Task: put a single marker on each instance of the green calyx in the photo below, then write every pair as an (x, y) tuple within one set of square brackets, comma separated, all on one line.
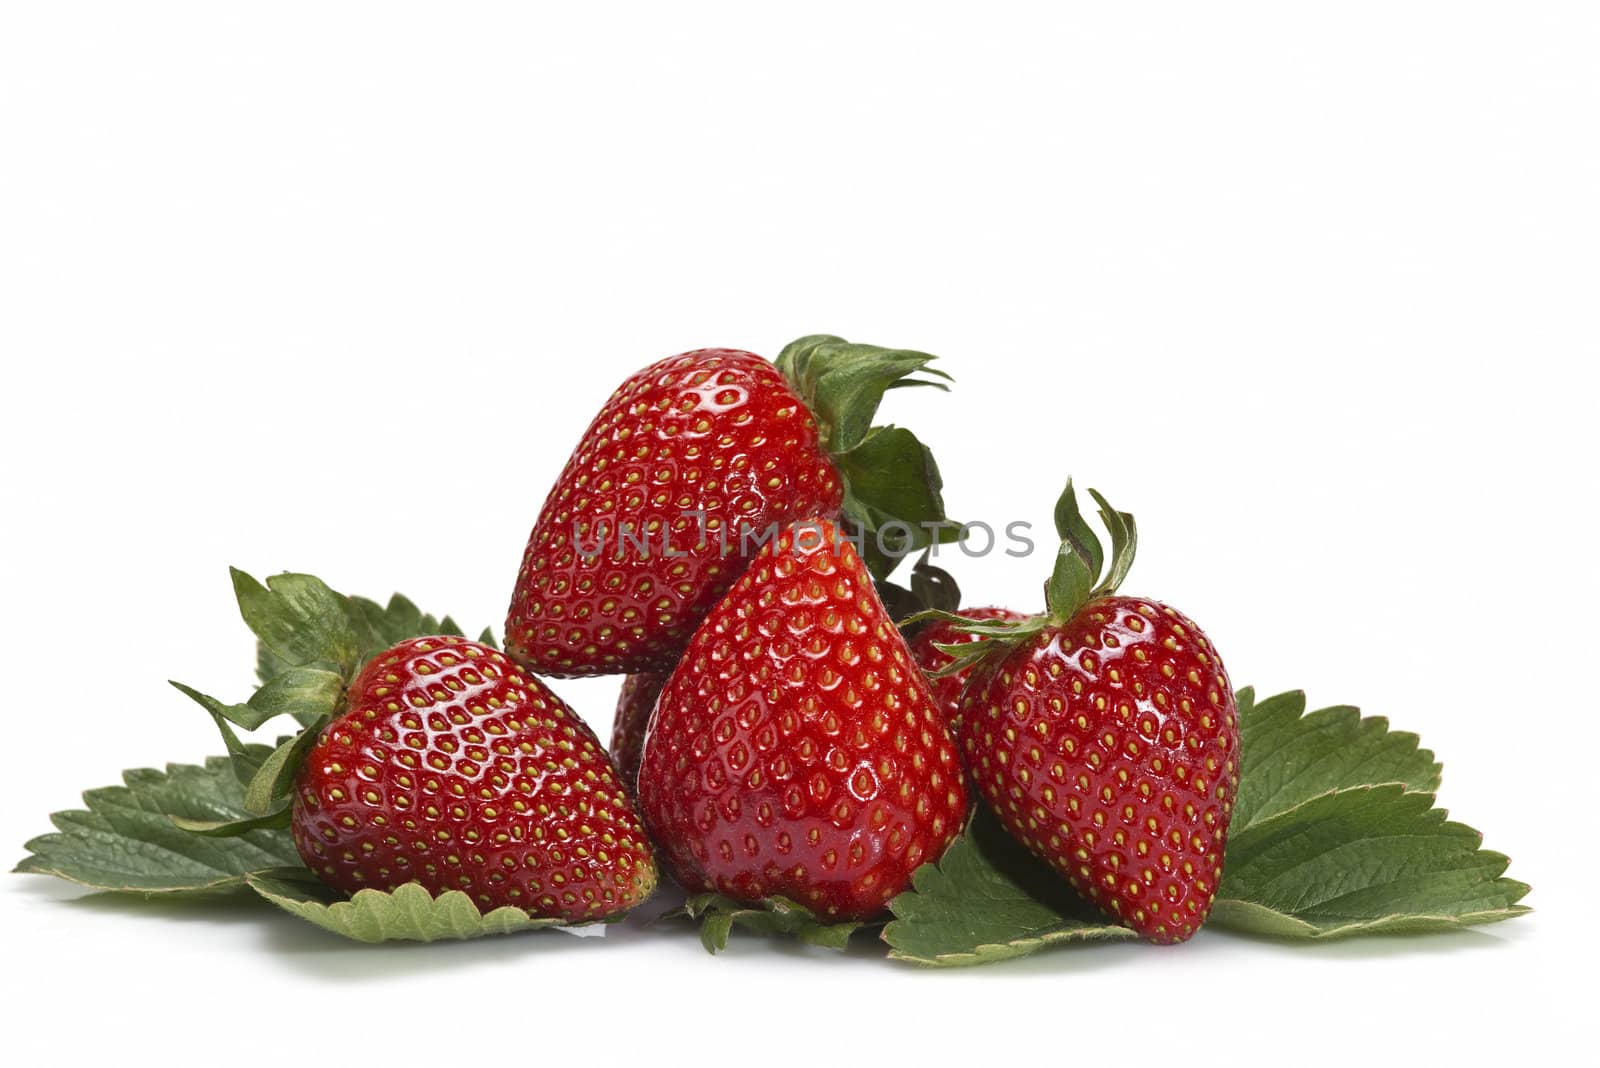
[(1077, 578), (1082, 573), (893, 493), (312, 643), (843, 383)]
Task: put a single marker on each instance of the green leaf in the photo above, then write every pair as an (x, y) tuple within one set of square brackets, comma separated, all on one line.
[(890, 476), (895, 474), (1081, 558), (1069, 585), (275, 779), (988, 899), (380, 625), (268, 663), (400, 619), (245, 759), (125, 840), (308, 694), (843, 383), (1362, 860), (718, 915), (1124, 544), (377, 627), (408, 913), (278, 820), (224, 713), (963, 657), (894, 494), (1078, 560), (1077, 536), (1289, 757), (299, 618)]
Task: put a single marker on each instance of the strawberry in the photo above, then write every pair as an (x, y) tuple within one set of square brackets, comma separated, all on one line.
[(634, 705), (797, 751), (451, 767), (686, 469), (1105, 736)]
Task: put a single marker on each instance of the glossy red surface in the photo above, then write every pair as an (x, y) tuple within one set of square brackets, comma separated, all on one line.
[(454, 768), (930, 658), (796, 750), (634, 705), (695, 448), (1109, 746)]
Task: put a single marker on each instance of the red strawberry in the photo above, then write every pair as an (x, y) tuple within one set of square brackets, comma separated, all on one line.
[(647, 525), (634, 705), (453, 768), (797, 751), (1105, 736)]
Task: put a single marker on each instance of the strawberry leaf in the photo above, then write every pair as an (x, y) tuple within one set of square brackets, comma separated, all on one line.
[(843, 382), (377, 627), (891, 481), (245, 759), (274, 780), (1077, 536), (986, 900), (1081, 558), (718, 915), (381, 627), (299, 618), (1363, 860), (269, 664), (895, 494), (408, 913), (278, 820), (125, 839), (1124, 543), (1290, 757), (309, 694), (1335, 832)]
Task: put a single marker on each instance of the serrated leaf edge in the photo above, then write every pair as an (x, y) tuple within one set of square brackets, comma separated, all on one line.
[(1421, 922), (1379, 722), (412, 900), (92, 801)]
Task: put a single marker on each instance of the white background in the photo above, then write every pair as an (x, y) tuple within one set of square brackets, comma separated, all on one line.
[(335, 288)]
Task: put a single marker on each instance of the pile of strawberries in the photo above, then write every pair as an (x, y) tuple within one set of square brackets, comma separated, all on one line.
[(721, 535), (802, 744)]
